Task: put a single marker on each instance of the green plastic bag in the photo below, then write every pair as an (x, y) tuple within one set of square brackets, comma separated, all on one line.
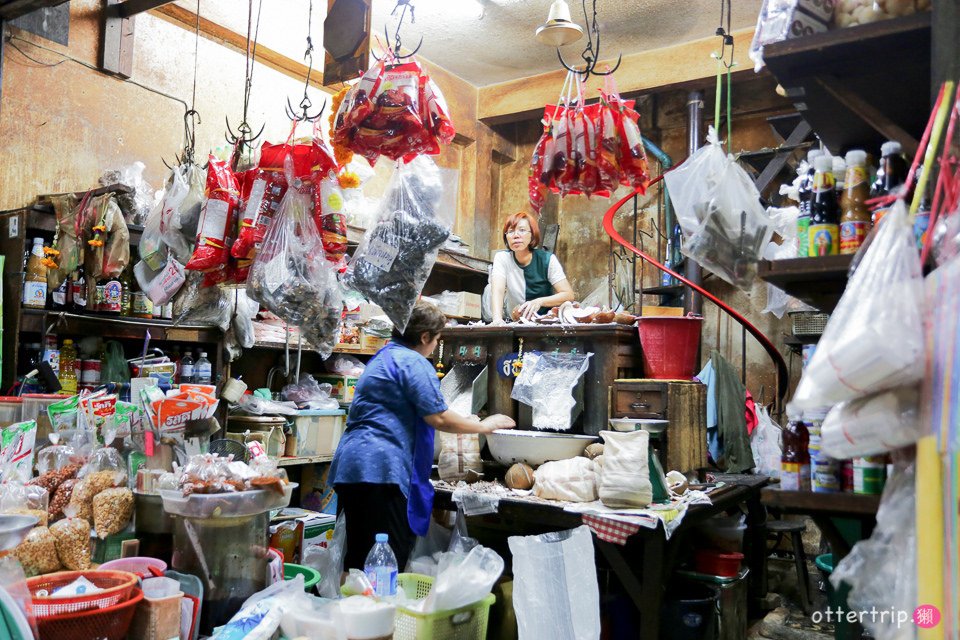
[(114, 367)]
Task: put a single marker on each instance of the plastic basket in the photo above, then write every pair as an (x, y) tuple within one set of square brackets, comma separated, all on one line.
[(465, 623), (117, 587), (809, 323), (110, 548), (138, 565), (310, 575), (107, 623)]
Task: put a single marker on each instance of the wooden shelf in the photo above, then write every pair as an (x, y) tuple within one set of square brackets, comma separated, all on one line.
[(301, 460), (37, 321), (672, 290), (279, 346), (861, 85), (819, 282), (833, 504)]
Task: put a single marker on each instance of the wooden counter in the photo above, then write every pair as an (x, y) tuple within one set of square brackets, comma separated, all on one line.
[(615, 348)]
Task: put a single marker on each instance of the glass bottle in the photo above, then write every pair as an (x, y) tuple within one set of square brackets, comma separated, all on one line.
[(126, 294), (35, 278), (186, 368), (855, 219), (68, 375), (891, 176), (824, 234), (795, 459), (805, 195)]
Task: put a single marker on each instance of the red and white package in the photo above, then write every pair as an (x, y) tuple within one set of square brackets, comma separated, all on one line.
[(173, 414), (223, 195)]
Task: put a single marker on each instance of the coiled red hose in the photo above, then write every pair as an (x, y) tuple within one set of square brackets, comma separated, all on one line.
[(783, 374)]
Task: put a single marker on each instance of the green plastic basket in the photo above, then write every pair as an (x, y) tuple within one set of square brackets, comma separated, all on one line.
[(311, 577), (465, 623), (111, 547)]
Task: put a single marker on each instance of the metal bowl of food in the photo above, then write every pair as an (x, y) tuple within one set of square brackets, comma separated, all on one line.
[(636, 424), (535, 447), (14, 528)]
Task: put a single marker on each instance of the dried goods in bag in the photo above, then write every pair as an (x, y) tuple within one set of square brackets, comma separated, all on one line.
[(397, 253), (72, 537), (38, 552), (222, 194), (874, 339), (291, 276)]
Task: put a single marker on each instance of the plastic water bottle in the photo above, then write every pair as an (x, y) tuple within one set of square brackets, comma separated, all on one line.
[(381, 567), (203, 370)]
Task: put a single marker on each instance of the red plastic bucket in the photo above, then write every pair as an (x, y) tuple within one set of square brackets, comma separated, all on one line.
[(670, 347)]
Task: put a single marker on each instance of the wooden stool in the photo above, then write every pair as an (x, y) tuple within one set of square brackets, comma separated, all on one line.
[(795, 530)]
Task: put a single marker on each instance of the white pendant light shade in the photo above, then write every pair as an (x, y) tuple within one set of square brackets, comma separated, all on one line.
[(559, 29)]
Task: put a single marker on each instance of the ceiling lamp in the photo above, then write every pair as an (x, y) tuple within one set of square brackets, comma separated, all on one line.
[(559, 29)]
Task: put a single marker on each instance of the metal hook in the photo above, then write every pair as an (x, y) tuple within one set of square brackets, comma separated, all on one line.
[(395, 48), (244, 130), (304, 115), (591, 53)]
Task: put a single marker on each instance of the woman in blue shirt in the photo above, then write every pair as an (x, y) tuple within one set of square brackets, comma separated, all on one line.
[(381, 469)]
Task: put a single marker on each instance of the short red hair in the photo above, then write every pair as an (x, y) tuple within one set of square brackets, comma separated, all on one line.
[(512, 222)]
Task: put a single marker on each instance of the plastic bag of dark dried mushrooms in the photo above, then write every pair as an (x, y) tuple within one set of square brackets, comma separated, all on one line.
[(397, 253), (291, 276)]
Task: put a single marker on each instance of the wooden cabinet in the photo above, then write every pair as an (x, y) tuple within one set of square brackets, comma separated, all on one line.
[(683, 445)]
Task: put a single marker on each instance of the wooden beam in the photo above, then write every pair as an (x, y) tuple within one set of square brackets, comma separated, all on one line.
[(669, 67), (870, 114), (238, 42)]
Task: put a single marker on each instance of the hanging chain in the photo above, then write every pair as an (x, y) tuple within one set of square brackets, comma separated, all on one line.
[(591, 53), (305, 102), (192, 118), (243, 138), (403, 5)]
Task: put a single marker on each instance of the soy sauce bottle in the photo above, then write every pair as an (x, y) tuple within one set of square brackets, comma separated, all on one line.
[(824, 211)]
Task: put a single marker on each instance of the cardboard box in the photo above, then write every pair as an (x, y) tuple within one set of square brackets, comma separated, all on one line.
[(370, 342), (785, 23), (462, 304), (318, 431), (316, 492), (343, 386)]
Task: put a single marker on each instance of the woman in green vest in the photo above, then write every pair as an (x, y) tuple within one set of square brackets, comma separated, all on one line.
[(525, 280)]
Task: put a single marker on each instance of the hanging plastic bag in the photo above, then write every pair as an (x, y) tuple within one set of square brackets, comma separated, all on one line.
[(625, 481), (692, 182), (428, 549), (872, 425), (396, 255), (222, 193), (555, 591), (765, 443), (66, 242), (634, 172), (291, 276), (874, 338), (881, 571), (538, 177), (17, 446), (546, 383), (266, 193)]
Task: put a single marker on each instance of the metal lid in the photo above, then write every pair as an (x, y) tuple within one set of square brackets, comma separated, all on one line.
[(264, 420)]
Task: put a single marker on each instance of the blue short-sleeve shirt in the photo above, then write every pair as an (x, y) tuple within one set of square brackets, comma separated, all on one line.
[(377, 446)]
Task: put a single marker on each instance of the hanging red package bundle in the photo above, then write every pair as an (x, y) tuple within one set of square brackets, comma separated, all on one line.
[(536, 186), (266, 190), (633, 158), (222, 192), (608, 146), (328, 205)]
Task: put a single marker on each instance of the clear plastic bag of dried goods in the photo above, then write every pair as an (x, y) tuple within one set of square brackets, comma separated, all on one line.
[(546, 383), (291, 276), (396, 255), (874, 338)]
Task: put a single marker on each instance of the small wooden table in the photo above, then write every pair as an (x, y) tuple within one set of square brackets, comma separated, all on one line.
[(648, 558), (823, 508)]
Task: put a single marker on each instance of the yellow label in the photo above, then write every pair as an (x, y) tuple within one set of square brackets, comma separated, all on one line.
[(855, 175)]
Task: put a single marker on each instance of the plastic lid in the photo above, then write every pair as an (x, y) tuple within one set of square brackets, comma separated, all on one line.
[(812, 154), (823, 163), (856, 157), (68, 341), (890, 147), (382, 537), (203, 354), (38, 241)]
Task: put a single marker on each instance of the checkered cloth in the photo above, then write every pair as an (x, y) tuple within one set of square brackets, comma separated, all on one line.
[(617, 525), (610, 530)]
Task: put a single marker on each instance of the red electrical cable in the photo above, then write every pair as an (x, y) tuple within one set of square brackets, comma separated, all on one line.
[(784, 375)]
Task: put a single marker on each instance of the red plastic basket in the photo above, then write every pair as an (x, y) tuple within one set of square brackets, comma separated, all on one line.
[(117, 587), (110, 623)]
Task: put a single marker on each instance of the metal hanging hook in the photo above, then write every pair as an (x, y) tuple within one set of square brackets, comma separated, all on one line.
[(305, 102), (394, 49), (591, 53)]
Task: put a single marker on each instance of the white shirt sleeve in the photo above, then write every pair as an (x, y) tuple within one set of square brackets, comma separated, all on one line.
[(554, 271), (499, 266)]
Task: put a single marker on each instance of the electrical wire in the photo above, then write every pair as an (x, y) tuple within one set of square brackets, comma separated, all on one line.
[(11, 38)]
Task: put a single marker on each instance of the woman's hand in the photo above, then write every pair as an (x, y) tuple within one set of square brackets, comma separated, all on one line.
[(498, 421), (529, 309)]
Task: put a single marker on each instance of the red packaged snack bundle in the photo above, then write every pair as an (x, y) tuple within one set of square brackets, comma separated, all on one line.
[(222, 192), (536, 186), (608, 147), (328, 204), (633, 158), (264, 193)]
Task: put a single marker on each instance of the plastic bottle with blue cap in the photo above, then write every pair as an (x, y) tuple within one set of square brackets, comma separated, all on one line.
[(381, 567)]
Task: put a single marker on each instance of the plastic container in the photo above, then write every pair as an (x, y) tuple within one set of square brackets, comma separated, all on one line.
[(733, 602), (11, 408), (311, 577), (225, 505), (106, 623), (836, 598), (670, 347), (465, 622), (689, 612), (117, 587), (138, 565), (717, 563), (318, 431), (381, 567)]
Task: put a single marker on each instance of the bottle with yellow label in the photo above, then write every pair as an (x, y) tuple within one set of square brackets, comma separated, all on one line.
[(824, 234), (855, 218)]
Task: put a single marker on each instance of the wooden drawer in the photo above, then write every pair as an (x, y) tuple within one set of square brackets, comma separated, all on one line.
[(640, 400)]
